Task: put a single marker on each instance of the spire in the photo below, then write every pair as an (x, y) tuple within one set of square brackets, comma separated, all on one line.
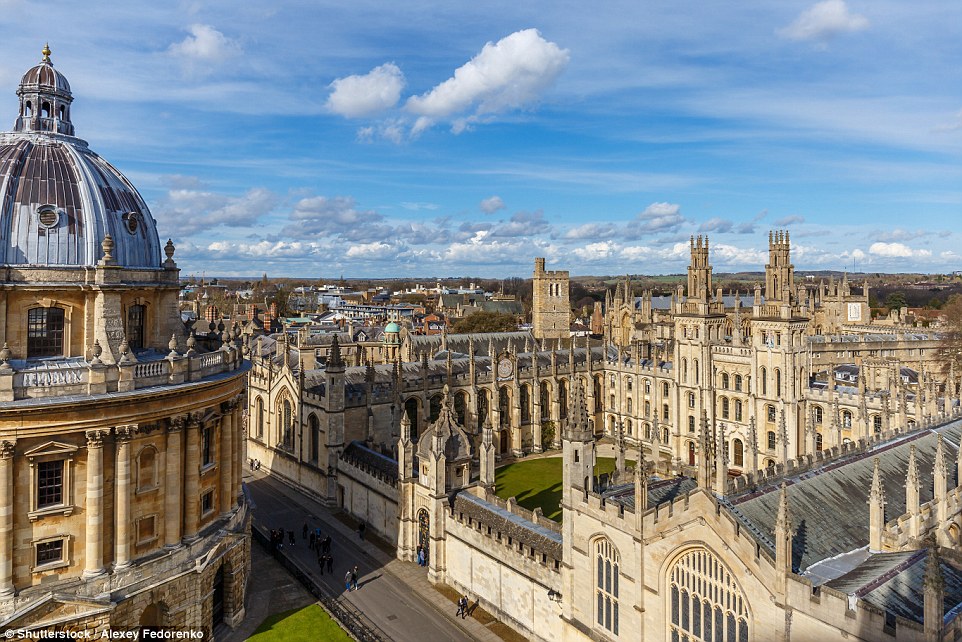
[(335, 359), (939, 471), (577, 424), (876, 501), (721, 462), (487, 454), (912, 493), (641, 484), (933, 610), (783, 542)]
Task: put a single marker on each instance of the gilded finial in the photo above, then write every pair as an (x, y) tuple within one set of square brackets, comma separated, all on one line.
[(46, 52)]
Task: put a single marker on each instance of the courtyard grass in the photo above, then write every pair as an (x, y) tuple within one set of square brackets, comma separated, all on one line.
[(537, 483), (300, 625)]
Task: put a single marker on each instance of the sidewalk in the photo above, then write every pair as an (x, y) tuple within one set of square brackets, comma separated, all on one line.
[(396, 596)]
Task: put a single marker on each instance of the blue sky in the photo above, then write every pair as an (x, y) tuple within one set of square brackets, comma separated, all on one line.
[(378, 139)]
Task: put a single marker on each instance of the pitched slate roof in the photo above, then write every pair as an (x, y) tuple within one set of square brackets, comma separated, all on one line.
[(829, 505)]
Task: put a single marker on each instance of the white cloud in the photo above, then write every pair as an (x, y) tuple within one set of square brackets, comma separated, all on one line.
[(320, 215), (789, 220), (896, 250), (716, 224), (509, 74), (492, 204), (592, 231), (373, 93), (595, 251), (203, 48), (824, 21), (185, 211), (369, 251), (657, 217)]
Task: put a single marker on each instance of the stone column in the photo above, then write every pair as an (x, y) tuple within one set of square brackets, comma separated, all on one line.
[(6, 519), (192, 481), (172, 489), (241, 424), (122, 499), (227, 460), (94, 532)]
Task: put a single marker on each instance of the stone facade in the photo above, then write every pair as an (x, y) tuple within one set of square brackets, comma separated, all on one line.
[(550, 306)]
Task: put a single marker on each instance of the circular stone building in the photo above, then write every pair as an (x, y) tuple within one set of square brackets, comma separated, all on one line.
[(120, 439)]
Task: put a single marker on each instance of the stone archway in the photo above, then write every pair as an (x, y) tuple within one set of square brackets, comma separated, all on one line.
[(424, 534), (154, 617)]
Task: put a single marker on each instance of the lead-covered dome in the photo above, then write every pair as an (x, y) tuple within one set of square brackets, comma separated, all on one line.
[(60, 199)]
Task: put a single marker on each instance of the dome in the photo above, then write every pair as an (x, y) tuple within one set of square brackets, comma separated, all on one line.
[(45, 76), (392, 328), (60, 199)]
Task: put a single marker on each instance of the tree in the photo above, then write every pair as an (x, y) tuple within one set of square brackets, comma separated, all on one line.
[(951, 348), (895, 301), (486, 322)]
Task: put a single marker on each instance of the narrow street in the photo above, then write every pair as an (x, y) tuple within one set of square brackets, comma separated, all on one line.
[(394, 597)]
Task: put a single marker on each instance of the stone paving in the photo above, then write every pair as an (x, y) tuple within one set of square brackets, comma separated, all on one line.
[(396, 597)]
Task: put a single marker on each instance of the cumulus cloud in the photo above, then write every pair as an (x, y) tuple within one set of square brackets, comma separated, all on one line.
[(716, 224), (748, 227), (592, 231), (657, 217), (823, 21), (899, 234), (370, 251), (896, 251), (509, 74), (204, 48), (791, 219), (186, 211), (524, 224), (323, 216), (595, 251), (492, 204), (373, 93)]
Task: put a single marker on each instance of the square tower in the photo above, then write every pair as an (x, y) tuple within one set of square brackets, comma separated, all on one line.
[(550, 306)]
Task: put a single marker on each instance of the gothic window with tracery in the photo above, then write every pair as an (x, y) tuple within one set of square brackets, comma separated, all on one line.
[(706, 602), (606, 593)]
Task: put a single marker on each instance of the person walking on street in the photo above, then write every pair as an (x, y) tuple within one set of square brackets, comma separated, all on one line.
[(304, 531), (464, 606), (347, 581), (290, 537), (311, 541), (354, 578), (320, 563), (460, 608), (327, 544), (330, 564), (360, 530)]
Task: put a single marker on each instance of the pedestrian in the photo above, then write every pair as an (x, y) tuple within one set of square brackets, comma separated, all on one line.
[(360, 531), (347, 581), (330, 564), (304, 531), (311, 541), (462, 607), (290, 537), (354, 578), (327, 544), (320, 563), (420, 556)]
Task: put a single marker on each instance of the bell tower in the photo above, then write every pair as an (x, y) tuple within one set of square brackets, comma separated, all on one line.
[(779, 272)]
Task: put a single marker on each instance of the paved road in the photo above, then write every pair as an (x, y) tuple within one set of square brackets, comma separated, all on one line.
[(396, 596)]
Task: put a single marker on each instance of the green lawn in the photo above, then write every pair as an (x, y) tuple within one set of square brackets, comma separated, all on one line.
[(308, 624), (537, 482)]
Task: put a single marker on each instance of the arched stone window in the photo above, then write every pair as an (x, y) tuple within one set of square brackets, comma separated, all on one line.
[(739, 452), (877, 423), (315, 436), (778, 382), (665, 389), (146, 469), (691, 399), (694, 367), (545, 401), (563, 398), (684, 370), (628, 404), (763, 377), (287, 424), (771, 440), (738, 410), (607, 562), (691, 423), (647, 386), (725, 407), (259, 412), (705, 602), (846, 419), (525, 404), (738, 383), (461, 407), (818, 442), (724, 380), (817, 414)]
